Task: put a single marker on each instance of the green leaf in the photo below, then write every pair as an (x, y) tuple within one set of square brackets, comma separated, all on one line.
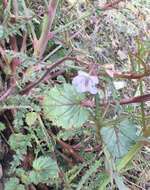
[(19, 142), (2, 126), (23, 175), (119, 138), (31, 118), (13, 184), (121, 164), (44, 168), (62, 105)]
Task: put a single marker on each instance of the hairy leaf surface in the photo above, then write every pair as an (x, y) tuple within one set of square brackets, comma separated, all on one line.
[(62, 105), (43, 169), (119, 138)]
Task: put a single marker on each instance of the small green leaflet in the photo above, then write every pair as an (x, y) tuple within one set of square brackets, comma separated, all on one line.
[(19, 142), (13, 184), (62, 105), (31, 118), (119, 138), (44, 168)]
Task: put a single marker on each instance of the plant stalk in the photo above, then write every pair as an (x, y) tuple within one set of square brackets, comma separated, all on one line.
[(41, 44)]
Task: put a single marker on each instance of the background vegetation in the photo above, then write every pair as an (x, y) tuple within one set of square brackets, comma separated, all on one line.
[(74, 95)]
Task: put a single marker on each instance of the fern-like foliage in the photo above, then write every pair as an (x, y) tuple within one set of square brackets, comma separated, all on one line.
[(13, 29), (93, 168)]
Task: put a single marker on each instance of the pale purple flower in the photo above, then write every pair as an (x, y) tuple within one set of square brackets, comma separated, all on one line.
[(85, 82)]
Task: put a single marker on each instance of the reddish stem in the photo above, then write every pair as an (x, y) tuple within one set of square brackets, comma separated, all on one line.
[(5, 94), (5, 2), (131, 75), (70, 150), (35, 83), (133, 100), (41, 44), (137, 99), (111, 4)]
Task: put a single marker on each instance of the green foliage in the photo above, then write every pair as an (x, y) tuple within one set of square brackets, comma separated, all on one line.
[(121, 164), (119, 182), (19, 142), (1, 31), (88, 173), (13, 30), (62, 105), (31, 117), (119, 138), (68, 134), (44, 169), (51, 119), (17, 158), (13, 184), (2, 126)]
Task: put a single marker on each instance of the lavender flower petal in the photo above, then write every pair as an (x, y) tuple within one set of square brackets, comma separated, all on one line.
[(93, 90), (94, 79), (85, 82)]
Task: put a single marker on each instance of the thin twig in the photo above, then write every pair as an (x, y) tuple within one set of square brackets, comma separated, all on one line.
[(56, 64), (137, 99), (71, 151), (67, 147), (4, 95), (116, 74), (5, 2), (132, 100), (15, 8), (131, 75), (9, 124), (14, 107), (24, 45)]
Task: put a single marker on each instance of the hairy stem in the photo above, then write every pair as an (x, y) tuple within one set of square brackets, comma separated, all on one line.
[(15, 7), (98, 119), (47, 24)]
